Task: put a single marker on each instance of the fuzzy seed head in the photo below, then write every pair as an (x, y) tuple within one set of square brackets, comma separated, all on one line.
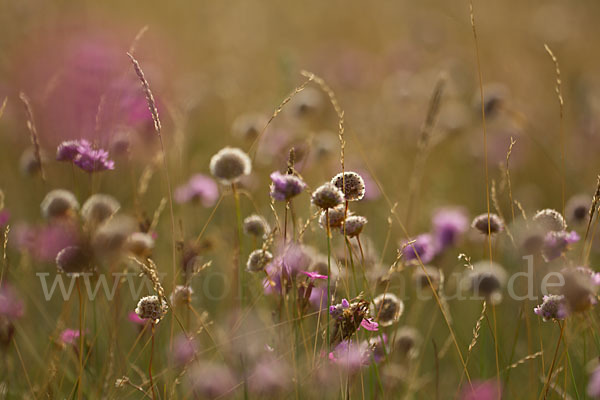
[(73, 260), (550, 220), (480, 223), (152, 308), (58, 203), (336, 217), (353, 225), (387, 309), (257, 226), (327, 196), (229, 165), (258, 259), (98, 208)]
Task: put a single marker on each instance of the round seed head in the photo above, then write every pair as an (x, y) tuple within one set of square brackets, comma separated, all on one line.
[(327, 196), (387, 309), (29, 163), (353, 225), (229, 165), (257, 226), (112, 235), (140, 244), (58, 203), (550, 220), (74, 260), (487, 279), (152, 308), (480, 223), (98, 208), (351, 184), (258, 259), (308, 101), (249, 126), (579, 289), (407, 341), (336, 217), (577, 208)]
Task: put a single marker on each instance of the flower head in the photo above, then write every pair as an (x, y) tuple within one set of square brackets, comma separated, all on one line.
[(351, 356), (258, 259), (200, 188), (327, 196), (351, 184), (210, 380), (184, 350), (257, 226), (229, 165), (69, 150), (92, 160), (140, 244), (336, 217), (270, 377), (435, 275), (577, 209), (550, 220), (556, 243), (98, 208), (387, 309), (487, 279), (69, 336), (480, 223), (11, 306), (552, 308), (74, 260), (448, 226), (353, 225), (485, 390), (285, 186), (423, 245), (58, 203), (151, 308)]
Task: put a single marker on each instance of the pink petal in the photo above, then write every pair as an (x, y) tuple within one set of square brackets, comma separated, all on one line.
[(369, 325), (314, 275)]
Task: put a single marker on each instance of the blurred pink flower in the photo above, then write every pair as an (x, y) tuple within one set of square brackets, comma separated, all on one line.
[(199, 188), (483, 390), (10, 304)]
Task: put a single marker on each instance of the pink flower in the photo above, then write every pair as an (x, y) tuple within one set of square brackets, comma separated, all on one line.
[(133, 317), (200, 187), (69, 336), (485, 390), (314, 275), (10, 305), (369, 324), (351, 355)]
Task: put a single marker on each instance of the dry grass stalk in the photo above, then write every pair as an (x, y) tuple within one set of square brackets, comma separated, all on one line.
[(33, 133), (477, 328)]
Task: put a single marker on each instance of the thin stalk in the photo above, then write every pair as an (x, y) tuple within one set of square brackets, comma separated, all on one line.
[(150, 364), (544, 393), (328, 278), (238, 214), (80, 340)]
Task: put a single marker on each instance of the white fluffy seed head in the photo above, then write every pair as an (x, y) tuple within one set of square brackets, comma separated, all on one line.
[(351, 184), (152, 308), (353, 225), (257, 226), (336, 217), (58, 203), (229, 165), (387, 309), (550, 220), (140, 244), (258, 259), (98, 208)]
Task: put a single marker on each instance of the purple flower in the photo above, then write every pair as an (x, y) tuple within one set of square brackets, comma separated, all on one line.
[(210, 380), (11, 306), (134, 318), (270, 376), (593, 388), (351, 356), (69, 150), (423, 245), (486, 390), (93, 160), (314, 275), (449, 224), (284, 187), (556, 243), (552, 308), (318, 298), (184, 350), (337, 309), (4, 218), (199, 188)]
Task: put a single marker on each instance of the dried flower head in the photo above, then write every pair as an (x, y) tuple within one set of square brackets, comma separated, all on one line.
[(579, 289), (258, 259), (407, 343), (257, 226), (74, 260), (480, 223), (285, 186), (229, 165), (351, 184), (577, 208), (151, 308), (59, 203), (98, 208), (140, 244), (112, 235), (336, 217), (550, 220), (553, 307), (327, 196), (387, 309), (353, 225), (181, 295), (487, 279)]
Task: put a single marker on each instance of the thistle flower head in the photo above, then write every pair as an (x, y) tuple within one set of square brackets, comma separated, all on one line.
[(351, 184), (151, 308), (258, 260), (353, 225), (327, 196), (480, 223), (550, 220), (98, 208), (59, 203), (257, 226), (285, 186), (553, 307), (387, 309), (229, 165)]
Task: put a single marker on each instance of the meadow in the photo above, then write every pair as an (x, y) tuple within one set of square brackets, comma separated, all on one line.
[(339, 200)]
